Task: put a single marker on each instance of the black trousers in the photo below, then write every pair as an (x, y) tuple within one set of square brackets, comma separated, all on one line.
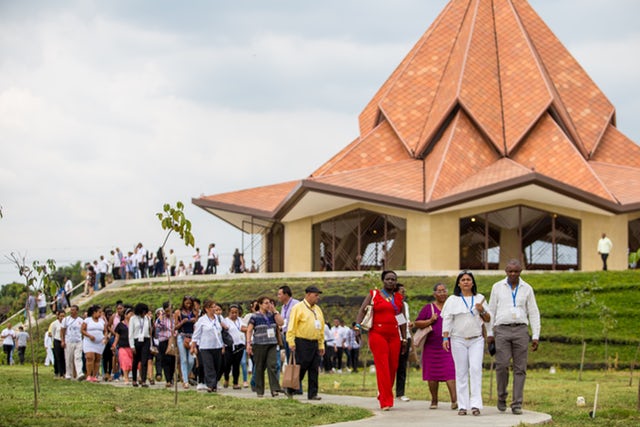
[(337, 358), (59, 368), (353, 359), (21, 351), (604, 261), (308, 357), (401, 373), (167, 361), (141, 355), (212, 363), (232, 365), (327, 360)]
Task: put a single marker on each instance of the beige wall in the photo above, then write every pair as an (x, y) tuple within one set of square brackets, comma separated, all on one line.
[(297, 246), (433, 239)]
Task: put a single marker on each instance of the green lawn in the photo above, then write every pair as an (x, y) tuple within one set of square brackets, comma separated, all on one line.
[(70, 403)]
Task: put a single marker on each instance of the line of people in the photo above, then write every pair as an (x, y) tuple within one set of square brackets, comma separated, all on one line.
[(454, 349)]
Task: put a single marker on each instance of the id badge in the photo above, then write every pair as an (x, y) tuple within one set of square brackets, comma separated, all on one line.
[(317, 323), (271, 333), (401, 319), (284, 326), (514, 313)]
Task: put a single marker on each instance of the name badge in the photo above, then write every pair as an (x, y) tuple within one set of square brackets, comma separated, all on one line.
[(317, 323), (401, 319), (285, 323), (271, 333), (514, 313)]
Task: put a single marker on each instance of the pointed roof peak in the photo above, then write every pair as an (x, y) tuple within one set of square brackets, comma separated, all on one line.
[(497, 60)]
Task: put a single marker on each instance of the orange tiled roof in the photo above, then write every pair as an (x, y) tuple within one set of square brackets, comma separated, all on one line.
[(487, 96)]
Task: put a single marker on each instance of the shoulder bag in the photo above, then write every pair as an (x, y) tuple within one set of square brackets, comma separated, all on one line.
[(420, 337), (367, 320)]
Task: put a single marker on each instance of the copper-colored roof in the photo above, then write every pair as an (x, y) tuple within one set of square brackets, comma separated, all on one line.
[(487, 97)]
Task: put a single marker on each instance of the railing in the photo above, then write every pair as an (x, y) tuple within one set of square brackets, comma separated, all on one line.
[(21, 311)]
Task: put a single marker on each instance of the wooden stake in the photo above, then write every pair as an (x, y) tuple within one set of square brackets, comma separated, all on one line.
[(633, 364), (584, 349), (595, 402)]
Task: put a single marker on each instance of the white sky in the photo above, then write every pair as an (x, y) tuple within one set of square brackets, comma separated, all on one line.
[(108, 109)]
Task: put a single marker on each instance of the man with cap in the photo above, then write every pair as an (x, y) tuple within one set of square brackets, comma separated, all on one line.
[(305, 336)]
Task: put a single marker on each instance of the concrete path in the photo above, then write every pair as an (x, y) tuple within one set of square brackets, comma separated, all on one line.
[(406, 414)]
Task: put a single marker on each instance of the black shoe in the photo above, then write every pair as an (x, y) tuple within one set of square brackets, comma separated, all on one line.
[(135, 384), (287, 392), (316, 397), (502, 405), (516, 410)]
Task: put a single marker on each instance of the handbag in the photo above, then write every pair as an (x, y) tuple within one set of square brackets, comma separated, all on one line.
[(291, 373), (187, 343), (420, 337), (172, 347), (367, 320), (279, 336)]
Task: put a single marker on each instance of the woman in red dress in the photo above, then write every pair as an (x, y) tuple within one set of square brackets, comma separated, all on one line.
[(387, 336)]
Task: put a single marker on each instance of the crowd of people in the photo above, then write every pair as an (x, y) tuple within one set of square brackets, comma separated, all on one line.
[(202, 344), (453, 350)]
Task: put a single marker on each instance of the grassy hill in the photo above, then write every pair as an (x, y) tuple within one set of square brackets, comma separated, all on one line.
[(573, 305)]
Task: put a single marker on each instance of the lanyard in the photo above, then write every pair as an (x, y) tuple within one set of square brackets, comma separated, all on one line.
[(285, 308), (390, 299), (514, 294), (465, 303), (311, 310), (266, 318)]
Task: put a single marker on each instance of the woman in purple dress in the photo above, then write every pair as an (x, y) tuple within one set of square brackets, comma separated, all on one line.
[(437, 364)]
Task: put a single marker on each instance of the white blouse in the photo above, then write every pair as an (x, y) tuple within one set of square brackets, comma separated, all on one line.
[(460, 317)]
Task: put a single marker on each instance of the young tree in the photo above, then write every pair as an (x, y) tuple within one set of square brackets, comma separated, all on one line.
[(38, 277), (174, 220)]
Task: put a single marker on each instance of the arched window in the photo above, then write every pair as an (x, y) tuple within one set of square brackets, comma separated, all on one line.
[(360, 240)]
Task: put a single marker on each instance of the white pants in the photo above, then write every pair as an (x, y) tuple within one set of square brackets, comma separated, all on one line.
[(73, 356), (49, 359), (467, 357)]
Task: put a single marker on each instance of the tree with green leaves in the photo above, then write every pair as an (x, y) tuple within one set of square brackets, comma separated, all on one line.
[(173, 219), (38, 277)]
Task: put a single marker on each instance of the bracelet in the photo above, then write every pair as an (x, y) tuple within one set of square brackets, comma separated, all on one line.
[(445, 338)]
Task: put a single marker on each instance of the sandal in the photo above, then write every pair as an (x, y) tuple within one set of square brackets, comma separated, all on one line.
[(462, 412), (185, 386), (434, 405), (475, 411), (454, 406)]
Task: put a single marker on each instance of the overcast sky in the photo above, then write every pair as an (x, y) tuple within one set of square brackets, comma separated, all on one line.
[(108, 109)]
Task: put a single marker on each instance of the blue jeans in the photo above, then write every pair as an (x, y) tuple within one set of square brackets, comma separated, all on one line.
[(186, 359)]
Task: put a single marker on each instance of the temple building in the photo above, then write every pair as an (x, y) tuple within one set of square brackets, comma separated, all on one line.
[(488, 142)]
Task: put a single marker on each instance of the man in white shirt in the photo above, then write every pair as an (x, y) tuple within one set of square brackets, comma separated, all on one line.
[(8, 335), (71, 340), (212, 260), (339, 334), (68, 288), (604, 248), (58, 352), (172, 262), (102, 270), (514, 309), (142, 261)]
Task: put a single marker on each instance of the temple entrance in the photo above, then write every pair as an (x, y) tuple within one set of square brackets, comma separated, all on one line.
[(360, 240), (542, 240)]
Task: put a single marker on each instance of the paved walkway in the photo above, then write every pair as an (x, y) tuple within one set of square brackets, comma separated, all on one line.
[(407, 414)]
